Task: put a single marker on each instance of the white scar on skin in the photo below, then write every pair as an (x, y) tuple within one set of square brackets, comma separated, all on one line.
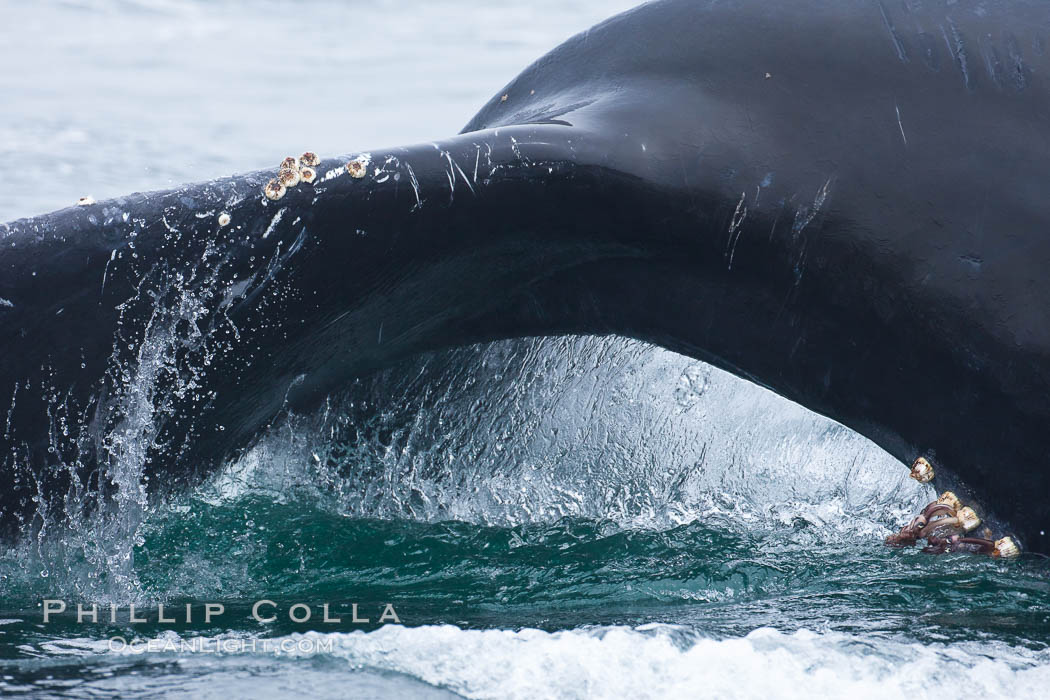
[(276, 220)]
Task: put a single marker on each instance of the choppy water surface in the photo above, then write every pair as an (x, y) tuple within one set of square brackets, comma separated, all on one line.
[(564, 517)]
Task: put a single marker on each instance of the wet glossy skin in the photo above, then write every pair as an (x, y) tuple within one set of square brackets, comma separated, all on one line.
[(843, 201)]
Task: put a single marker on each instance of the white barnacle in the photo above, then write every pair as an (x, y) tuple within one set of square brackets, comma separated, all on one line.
[(922, 471), (968, 519), (289, 177), (309, 159), (85, 200), (307, 175), (289, 163), (1007, 548), (274, 190), (358, 167), (949, 499), (224, 219)]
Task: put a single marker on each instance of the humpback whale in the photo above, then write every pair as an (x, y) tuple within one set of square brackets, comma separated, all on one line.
[(842, 201)]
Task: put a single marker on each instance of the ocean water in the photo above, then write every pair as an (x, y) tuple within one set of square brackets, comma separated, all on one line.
[(565, 517)]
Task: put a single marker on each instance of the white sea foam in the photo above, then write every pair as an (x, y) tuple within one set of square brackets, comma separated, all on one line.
[(658, 661)]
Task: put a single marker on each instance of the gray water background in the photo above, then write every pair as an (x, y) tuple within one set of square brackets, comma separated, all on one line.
[(109, 97)]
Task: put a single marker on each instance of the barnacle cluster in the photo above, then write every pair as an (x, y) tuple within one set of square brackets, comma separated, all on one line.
[(945, 524), (292, 171)]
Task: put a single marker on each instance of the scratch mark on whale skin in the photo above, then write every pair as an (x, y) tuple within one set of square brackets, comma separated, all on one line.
[(105, 271), (516, 149), (993, 61), (390, 169), (451, 175), (488, 159), (1010, 71), (415, 187), (902, 53), (901, 124), (335, 172), (735, 228), (776, 220), (274, 221), (805, 214), (957, 48), (452, 162), (1018, 69)]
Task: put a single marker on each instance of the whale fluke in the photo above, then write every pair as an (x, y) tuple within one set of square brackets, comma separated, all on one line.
[(843, 202)]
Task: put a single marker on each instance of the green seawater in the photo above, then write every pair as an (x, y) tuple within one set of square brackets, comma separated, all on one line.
[(708, 581)]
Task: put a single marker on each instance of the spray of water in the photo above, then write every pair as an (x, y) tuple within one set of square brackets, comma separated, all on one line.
[(533, 430), (85, 537), (510, 433)]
